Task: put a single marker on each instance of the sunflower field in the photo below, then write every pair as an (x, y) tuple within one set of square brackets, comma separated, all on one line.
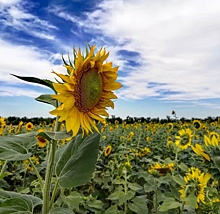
[(141, 167), (81, 162)]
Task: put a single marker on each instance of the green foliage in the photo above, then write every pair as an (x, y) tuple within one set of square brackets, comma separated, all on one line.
[(14, 148), (11, 202), (77, 160), (44, 82)]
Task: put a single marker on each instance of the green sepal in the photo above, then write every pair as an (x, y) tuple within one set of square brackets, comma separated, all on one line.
[(44, 82), (46, 98)]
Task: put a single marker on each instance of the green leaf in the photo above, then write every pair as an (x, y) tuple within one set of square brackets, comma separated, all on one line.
[(191, 201), (72, 200), (60, 210), (46, 98), (60, 135), (14, 148), (4, 174), (183, 167), (138, 205), (116, 195), (134, 186), (44, 82), (97, 204), (168, 204), (77, 160), (179, 180), (216, 157), (12, 202), (126, 197), (112, 210)]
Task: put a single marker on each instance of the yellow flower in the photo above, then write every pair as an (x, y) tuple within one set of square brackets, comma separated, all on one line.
[(128, 164), (143, 152), (108, 151), (41, 141), (170, 127), (197, 124), (199, 151), (29, 126), (212, 134), (86, 91), (195, 182), (162, 169), (210, 140), (2, 122), (184, 139), (27, 164)]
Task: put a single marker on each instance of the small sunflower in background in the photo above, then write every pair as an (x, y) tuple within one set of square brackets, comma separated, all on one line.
[(29, 126), (197, 124), (86, 90), (108, 150), (183, 141), (41, 141), (2, 122)]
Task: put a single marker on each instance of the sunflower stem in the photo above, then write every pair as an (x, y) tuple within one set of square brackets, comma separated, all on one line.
[(49, 172), (3, 167), (37, 173), (54, 194), (48, 177)]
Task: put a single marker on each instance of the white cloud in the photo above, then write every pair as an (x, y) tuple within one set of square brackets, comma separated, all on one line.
[(26, 61), (178, 42), (9, 91), (17, 17)]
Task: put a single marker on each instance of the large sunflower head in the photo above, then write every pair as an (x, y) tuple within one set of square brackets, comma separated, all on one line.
[(86, 90), (195, 182)]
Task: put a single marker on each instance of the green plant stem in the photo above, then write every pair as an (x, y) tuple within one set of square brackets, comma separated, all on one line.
[(48, 177), (126, 190), (54, 194), (3, 168), (49, 172), (37, 174)]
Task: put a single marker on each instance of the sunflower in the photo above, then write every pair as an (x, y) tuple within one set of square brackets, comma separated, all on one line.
[(211, 140), (197, 124), (198, 149), (29, 126), (170, 127), (195, 183), (41, 141), (161, 169), (2, 122), (86, 90), (107, 151), (184, 139)]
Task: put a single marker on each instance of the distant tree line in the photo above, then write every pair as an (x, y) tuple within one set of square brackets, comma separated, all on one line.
[(129, 120)]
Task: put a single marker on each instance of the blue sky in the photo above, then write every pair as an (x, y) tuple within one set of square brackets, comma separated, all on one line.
[(168, 52)]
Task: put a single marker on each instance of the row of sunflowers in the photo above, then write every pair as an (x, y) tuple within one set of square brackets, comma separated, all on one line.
[(141, 168)]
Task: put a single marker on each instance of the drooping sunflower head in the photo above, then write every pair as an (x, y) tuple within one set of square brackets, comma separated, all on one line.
[(86, 91), (41, 141)]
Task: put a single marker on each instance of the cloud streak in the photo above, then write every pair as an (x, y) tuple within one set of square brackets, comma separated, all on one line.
[(178, 43)]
